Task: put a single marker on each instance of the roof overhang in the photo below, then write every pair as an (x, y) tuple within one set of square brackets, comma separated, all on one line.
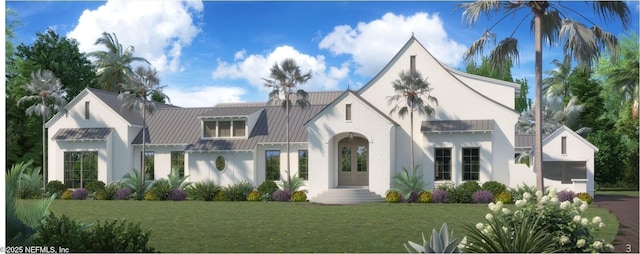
[(82, 134)]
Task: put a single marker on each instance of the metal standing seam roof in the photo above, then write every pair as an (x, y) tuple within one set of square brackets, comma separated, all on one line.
[(526, 141), (457, 125), (231, 111), (80, 134), (173, 126), (131, 116)]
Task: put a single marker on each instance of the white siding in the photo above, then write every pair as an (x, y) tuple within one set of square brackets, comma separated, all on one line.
[(238, 167)]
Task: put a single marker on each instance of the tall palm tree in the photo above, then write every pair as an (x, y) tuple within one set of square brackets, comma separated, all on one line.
[(114, 65), (135, 96), (624, 76), (413, 93), (557, 84), (552, 23), (48, 96), (283, 81)]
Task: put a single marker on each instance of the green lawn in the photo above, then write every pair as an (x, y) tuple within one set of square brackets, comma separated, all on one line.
[(619, 193), (194, 226)]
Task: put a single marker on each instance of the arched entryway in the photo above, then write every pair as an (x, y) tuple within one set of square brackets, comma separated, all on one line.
[(353, 162)]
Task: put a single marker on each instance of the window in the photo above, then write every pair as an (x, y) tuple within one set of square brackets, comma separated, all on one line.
[(348, 112), (303, 164), (363, 158), (442, 165), (177, 162), (86, 110), (272, 161), (221, 164), (224, 129), (564, 145), (345, 161), (80, 168), (148, 163), (238, 129), (470, 164), (412, 64)]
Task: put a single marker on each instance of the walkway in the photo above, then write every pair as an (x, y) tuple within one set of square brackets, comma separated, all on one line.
[(626, 209)]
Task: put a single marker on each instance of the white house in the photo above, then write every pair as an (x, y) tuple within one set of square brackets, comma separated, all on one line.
[(344, 139)]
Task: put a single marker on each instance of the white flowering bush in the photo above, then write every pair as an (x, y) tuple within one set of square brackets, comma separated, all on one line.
[(559, 226)]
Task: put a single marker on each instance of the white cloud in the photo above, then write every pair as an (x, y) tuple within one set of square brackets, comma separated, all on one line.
[(206, 96), (372, 44), (157, 29), (253, 68)]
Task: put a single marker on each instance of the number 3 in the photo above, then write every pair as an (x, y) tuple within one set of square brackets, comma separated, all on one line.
[(628, 248)]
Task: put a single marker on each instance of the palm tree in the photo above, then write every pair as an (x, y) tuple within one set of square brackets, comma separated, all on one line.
[(552, 24), (554, 115), (135, 96), (284, 80), (557, 84), (45, 90), (624, 76), (114, 65), (416, 92)]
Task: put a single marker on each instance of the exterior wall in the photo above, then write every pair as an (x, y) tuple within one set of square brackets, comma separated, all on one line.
[(162, 158), (260, 161), (577, 150), (202, 167), (457, 141), (327, 129), (493, 89), (455, 102), (101, 116), (57, 149)]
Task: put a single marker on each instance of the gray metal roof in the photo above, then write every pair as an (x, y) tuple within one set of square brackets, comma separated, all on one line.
[(173, 126), (78, 134), (526, 141), (111, 99), (457, 125), (232, 111)]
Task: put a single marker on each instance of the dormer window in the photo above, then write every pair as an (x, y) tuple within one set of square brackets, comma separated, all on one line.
[(224, 129)]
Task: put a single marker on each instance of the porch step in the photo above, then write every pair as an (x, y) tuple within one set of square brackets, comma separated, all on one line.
[(356, 195)]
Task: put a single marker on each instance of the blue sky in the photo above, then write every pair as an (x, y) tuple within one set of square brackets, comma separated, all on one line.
[(212, 52)]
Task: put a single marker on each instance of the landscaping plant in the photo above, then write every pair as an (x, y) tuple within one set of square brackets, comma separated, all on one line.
[(504, 197), (268, 187), (133, 181), (482, 196), (109, 191), (585, 197), (204, 190), (79, 194), (566, 195), (92, 186), (439, 242), (177, 195), (292, 185), (56, 187), (299, 196), (162, 187), (409, 182), (254, 196), (282, 195), (238, 191), (494, 187), (424, 197), (122, 194), (393, 197), (30, 183), (440, 196), (543, 224)]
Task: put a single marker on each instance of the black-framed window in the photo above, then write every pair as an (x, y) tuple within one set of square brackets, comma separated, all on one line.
[(80, 168), (303, 164), (149, 168), (272, 161), (442, 167), (470, 164), (177, 162)]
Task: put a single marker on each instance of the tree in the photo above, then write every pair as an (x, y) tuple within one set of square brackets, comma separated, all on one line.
[(114, 65), (622, 74), (413, 93), (486, 70), (588, 93), (283, 81), (554, 115), (608, 159), (557, 84), (47, 95), (135, 96), (522, 102), (552, 24)]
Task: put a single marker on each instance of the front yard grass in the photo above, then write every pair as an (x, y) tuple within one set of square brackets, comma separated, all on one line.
[(195, 226)]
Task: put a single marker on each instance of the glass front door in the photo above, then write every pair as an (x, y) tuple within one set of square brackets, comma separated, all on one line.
[(353, 162)]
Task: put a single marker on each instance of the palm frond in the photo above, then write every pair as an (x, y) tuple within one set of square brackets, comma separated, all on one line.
[(551, 23), (477, 47), (613, 10), (505, 51), (580, 42), (606, 40), (472, 11)]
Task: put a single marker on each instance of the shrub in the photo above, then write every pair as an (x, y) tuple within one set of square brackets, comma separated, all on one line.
[(566, 196), (151, 196), (585, 197), (439, 242), (393, 197), (238, 191), (254, 196), (123, 194), (518, 192), (409, 182), (282, 195), (549, 224), (424, 197), (79, 194), (108, 192), (445, 185), (482, 196), (30, 183), (162, 187), (94, 186), (220, 196), (413, 197), (299, 196), (134, 182), (205, 191), (66, 194), (494, 187), (504, 197), (110, 236), (294, 185), (177, 195), (56, 187), (464, 192), (268, 187), (440, 196)]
